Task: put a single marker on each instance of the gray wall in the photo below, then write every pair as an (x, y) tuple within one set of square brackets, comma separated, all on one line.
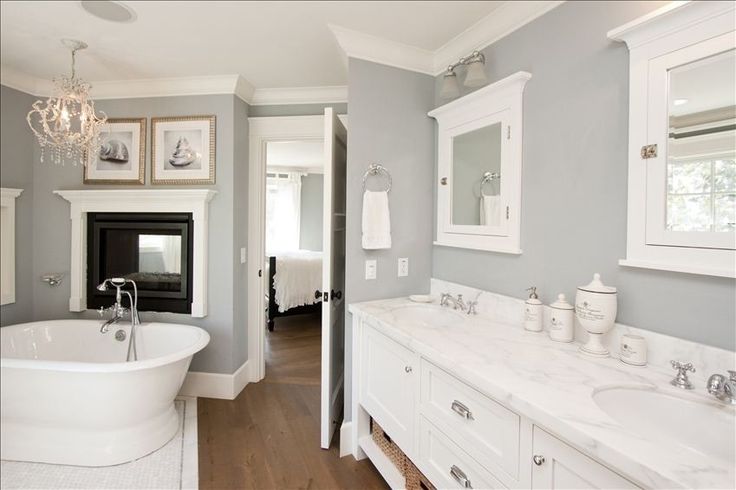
[(295, 109), (574, 181), (227, 221), (389, 124), (16, 171), (310, 215)]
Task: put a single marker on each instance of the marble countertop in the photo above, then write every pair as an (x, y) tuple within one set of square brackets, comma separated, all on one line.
[(552, 384)]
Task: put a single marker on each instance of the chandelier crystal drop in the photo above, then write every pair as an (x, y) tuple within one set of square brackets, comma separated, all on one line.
[(66, 124)]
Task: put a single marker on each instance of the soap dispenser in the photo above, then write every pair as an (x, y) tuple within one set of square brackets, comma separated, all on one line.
[(533, 311)]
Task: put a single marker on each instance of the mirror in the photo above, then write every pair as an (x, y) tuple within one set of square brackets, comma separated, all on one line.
[(476, 177), (701, 146), (159, 254)]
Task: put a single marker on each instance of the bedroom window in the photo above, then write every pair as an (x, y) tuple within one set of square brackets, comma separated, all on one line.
[(283, 204)]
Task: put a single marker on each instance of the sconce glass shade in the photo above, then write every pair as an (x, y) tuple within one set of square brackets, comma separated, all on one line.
[(450, 87), (475, 76)]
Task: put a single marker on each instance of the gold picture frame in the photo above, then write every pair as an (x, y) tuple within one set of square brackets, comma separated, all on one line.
[(121, 158), (183, 150)]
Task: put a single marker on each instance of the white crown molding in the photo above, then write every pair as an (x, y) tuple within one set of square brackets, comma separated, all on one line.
[(504, 20), (367, 47), (665, 20), (172, 87), (300, 95)]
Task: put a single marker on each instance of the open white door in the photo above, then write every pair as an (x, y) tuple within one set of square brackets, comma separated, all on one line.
[(333, 275)]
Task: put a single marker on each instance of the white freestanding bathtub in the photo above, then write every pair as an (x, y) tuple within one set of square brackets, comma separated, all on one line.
[(68, 396)]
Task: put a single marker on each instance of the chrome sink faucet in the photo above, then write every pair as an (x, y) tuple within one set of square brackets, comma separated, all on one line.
[(723, 388), (681, 380), (458, 303)]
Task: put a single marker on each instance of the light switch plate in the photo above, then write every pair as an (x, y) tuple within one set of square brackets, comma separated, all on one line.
[(242, 255), (403, 267), (370, 269)]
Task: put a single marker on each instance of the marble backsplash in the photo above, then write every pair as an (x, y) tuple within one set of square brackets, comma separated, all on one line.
[(660, 348)]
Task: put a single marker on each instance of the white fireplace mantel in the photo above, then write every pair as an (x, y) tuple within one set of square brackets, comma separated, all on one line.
[(195, 201)]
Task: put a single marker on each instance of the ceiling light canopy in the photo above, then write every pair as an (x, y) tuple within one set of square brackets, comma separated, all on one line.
[(475, 75), (66, 124), (109, 10)]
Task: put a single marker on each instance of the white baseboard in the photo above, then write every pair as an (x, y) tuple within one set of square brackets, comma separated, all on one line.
[(215, 385), (346, 438)]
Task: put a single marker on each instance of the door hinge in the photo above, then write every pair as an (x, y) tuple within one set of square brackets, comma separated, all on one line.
[(507, 212), (508, 132), (648, 151), (260, 272)]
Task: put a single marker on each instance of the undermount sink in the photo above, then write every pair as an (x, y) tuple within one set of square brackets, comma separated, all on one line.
[(702, 427), (425, 315)]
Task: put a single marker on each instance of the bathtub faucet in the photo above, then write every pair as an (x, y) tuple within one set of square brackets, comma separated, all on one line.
[(118, 310)]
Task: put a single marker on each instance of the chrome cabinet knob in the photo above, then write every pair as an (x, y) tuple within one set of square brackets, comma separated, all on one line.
[(538, 459), (408, 369)]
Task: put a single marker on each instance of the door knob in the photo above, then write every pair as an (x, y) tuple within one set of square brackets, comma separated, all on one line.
[(335, 294), (319, 294), (538, 459)]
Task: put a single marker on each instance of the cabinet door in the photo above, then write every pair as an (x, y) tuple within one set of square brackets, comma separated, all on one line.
[(388, 386), (558, 466)]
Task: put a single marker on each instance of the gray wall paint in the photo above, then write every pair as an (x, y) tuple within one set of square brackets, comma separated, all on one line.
[(240, 231), (51, 226), (16, 171), (310, 215), (389, 124), (295, 109), (574, 181)]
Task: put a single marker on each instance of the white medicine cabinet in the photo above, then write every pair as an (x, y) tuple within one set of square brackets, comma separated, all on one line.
[(479, 168), (682, 138)]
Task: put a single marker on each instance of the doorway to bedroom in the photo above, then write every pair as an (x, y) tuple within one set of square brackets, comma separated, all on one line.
[(296, 234)]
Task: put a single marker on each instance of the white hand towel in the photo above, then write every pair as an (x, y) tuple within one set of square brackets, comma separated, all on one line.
[(490, 210), (376, 221)]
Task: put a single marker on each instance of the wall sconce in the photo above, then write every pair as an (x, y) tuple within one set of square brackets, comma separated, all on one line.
[(475, 75)]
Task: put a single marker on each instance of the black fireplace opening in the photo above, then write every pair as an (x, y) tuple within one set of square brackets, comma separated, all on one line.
[(152, 249)]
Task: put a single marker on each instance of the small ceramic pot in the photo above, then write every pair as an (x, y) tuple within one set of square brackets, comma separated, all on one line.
[(595, 308)]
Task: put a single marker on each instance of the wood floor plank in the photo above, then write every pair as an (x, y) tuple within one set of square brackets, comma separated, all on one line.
[(268, 437)]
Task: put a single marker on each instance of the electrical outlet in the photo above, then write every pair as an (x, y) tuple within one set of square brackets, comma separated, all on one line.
[(242, 255), (403, 267), (370, 269)]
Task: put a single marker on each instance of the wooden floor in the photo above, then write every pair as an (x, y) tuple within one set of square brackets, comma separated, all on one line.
[(268, 437)]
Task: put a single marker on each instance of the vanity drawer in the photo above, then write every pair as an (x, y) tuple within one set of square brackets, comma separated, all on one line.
[(485, 428), (447, 465)]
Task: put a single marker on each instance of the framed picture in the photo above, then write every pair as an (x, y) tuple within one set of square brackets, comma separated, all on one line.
[(121, 158), (183, 150)]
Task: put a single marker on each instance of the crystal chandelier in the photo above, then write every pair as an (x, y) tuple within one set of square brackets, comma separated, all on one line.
[(65, 124)]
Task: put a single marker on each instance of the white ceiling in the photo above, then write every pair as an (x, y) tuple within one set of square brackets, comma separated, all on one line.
[(303, 154), (271, 44)]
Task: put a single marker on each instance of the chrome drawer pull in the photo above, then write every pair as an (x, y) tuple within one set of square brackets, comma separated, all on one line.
[(461, 410), (460, 476)]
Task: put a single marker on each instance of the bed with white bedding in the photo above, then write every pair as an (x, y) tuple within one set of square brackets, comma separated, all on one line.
[(293, 279)]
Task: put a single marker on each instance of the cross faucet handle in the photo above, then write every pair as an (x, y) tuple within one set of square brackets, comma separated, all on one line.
[(680, 380)]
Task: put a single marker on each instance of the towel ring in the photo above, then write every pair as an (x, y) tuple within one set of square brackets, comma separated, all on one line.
[(376, 169), (488, 178)]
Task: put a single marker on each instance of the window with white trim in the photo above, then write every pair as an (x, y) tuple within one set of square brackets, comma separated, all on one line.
[(283, 206)]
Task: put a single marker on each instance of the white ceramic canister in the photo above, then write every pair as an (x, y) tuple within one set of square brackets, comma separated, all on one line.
[(533, 312), (633, 350), (562, 320), (595, 308)]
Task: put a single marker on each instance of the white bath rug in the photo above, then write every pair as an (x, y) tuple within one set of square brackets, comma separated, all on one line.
[(174, 466)]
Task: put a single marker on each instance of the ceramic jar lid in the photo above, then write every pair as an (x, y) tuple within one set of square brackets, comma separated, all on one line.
[(561, 303), (596, 286)]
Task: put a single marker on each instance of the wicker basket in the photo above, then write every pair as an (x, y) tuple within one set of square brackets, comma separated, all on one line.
[(415, 480), (389, 448)]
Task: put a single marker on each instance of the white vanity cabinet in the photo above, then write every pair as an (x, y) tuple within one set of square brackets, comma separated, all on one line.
[(388, 386), (559, 466), (456, 435)]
